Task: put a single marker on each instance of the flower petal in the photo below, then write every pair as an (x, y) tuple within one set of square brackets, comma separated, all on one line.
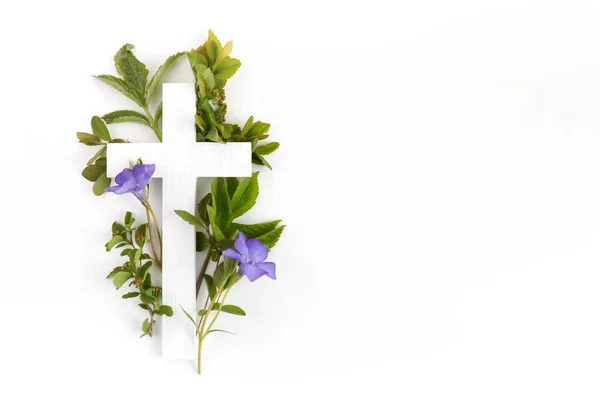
[(143, 174), (124, 176), (231, 253), (269, 268), (127, 187), (240, 245), (257, 252), (251, 272)]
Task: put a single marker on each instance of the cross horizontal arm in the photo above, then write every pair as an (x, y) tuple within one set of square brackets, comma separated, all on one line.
[(200, 159)]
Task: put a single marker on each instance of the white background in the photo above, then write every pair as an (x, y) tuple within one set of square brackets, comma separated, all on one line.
[(438, 175)]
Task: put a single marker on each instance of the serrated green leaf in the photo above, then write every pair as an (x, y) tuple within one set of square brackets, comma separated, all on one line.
[(221, 204), (256, 230), (212, 216), (99, 128), (88, 139), (226, 68), (158, 112), (201, 241), (125, 116), (131, 69), (189, 218), (258, 129), (232, 185), (93, 172), (130, 295), (206, 76), (245, 196), (213, 135), (231, 309), (120, 278), (124, 87), (159, 75), (260, 160), (225, 51), (267, 148), (271, 238), (101, 183), (202, 213)]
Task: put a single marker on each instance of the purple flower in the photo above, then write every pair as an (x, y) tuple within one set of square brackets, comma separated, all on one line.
[(251, 255), (133, 180)]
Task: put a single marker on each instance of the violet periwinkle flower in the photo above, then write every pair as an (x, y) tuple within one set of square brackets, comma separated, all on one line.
[(133, 180), (251, 254)]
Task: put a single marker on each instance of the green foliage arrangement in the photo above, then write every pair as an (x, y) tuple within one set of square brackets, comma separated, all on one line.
[(235, 249)]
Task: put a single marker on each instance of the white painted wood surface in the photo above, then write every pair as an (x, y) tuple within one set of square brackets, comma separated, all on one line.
[(179, 161)]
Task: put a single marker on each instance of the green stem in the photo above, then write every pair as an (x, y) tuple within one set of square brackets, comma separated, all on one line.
[(156, 226), (153, 124), (158, 260), (218, 312), (201, 330)]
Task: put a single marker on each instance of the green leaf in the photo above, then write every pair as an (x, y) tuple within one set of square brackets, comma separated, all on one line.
[(124, 87), (258, 129), (88, 139), (225, 51), (189, 218), (130, 295), (226, 68), (201, 242), (147, 299), (247, 126), (245, 196), (260, 160), (113, 242), (210, 285), (223, 271), (128, 220), (100, 153), (213, 135), (120, 278), (212, 216), (219, 330), (93, 172), (146, 327), (115, 271), (101, 162), (221, 204), (256, 230), (159, 75), (101, 183), (140, 235), (99, 128), (188, 315), (125, 116), (202, 212), (158, 112), (206, 77), (271, 238), (267, 148), (131, 69), (232, 185), (231, 309), (165, 310)]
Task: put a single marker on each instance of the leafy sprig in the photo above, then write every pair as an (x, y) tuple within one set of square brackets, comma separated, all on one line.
[(135, 271)]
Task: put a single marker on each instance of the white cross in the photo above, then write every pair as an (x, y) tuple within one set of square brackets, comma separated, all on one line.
[(179, 162)]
